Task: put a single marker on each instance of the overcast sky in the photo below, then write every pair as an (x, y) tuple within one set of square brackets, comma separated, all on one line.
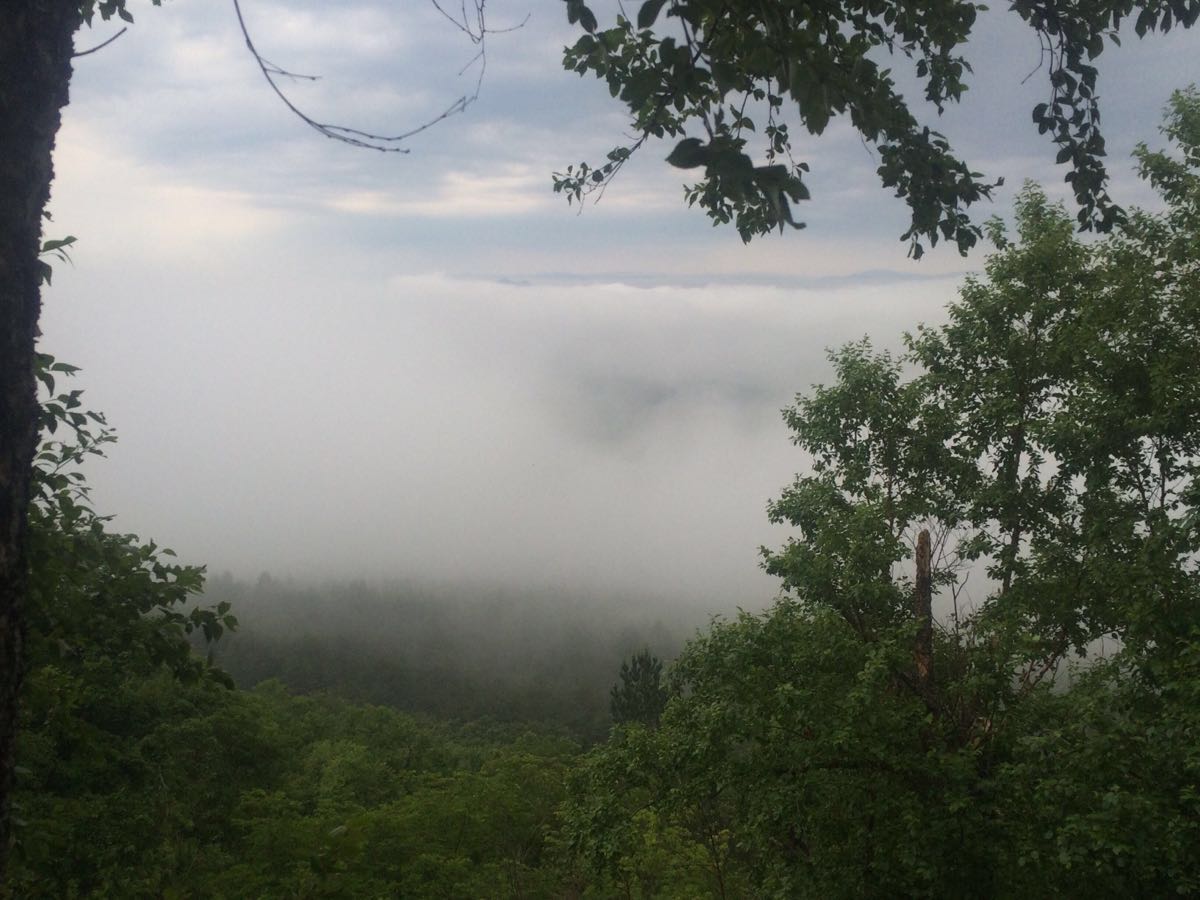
[(326, 361)]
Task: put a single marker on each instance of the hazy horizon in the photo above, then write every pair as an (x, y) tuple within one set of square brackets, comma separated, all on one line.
[(330, 364)]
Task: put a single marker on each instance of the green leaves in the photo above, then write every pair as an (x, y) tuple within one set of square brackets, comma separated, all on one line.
[(93, 591), (107, 9), (819, 61), (648, 13), (784, 764), (752, 55), (689, 153), (58, 249), (577, 11)]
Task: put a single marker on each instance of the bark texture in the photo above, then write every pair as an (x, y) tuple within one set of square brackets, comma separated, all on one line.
[(923, 608), (35, 71)]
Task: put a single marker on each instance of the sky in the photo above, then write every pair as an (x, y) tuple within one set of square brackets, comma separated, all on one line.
[(326, 362)]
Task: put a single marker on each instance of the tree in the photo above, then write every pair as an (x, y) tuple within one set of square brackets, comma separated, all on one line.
[(106, 650), (96, 593), (1047, 451), (717, 65), (640, 695), (35, 69)]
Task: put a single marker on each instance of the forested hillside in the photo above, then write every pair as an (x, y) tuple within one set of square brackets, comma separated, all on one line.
[(453, 652), (982, 677), (146, 787)]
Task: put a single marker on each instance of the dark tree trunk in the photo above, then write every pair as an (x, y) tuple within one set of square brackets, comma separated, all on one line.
[(35, 70), (923, 609)]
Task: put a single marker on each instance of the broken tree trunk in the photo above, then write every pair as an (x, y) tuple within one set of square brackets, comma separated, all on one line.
[(923, 608)]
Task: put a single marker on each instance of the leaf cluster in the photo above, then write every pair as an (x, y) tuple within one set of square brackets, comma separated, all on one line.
[(94, 593), (715, 65), (107, 9)]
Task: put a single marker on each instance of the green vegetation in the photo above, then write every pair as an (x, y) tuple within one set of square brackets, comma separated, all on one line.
[(1047, 439), (718, 65), (1030, 468), (640, 694), (455, 653), (149, 787)]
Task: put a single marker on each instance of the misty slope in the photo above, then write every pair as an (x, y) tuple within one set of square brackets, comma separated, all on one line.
[(458, 652)]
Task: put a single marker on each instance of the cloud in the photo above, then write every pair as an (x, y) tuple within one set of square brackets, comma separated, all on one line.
[(608, 436), (515, 190), (329, 361), (115, 205)]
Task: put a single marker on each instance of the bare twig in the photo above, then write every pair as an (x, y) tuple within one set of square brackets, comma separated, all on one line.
[(1045, 48), (101, 45), (472, 24)]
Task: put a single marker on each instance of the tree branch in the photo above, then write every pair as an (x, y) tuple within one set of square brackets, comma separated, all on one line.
[(101, 45), (473, 25)]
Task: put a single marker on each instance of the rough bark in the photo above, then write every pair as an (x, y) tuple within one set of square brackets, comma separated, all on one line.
[(923, 608), (35, 71)]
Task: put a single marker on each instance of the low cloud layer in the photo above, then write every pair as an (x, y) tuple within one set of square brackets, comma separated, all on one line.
[(336, 363), (607, 436)]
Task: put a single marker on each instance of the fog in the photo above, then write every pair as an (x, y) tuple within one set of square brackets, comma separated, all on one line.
[(603, 436), (331, 364)]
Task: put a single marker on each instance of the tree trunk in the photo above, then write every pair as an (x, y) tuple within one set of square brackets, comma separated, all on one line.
[(35, 71), (923, 609)]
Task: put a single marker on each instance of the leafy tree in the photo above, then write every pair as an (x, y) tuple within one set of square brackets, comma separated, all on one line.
[(106, 645), (715, 66), (1101, 786), (790, 766), (1045, 449), (619, 842), (95, 593), (640, 694)]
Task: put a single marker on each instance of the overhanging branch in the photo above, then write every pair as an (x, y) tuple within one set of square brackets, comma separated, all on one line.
[(99, 46), (470, 21)]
